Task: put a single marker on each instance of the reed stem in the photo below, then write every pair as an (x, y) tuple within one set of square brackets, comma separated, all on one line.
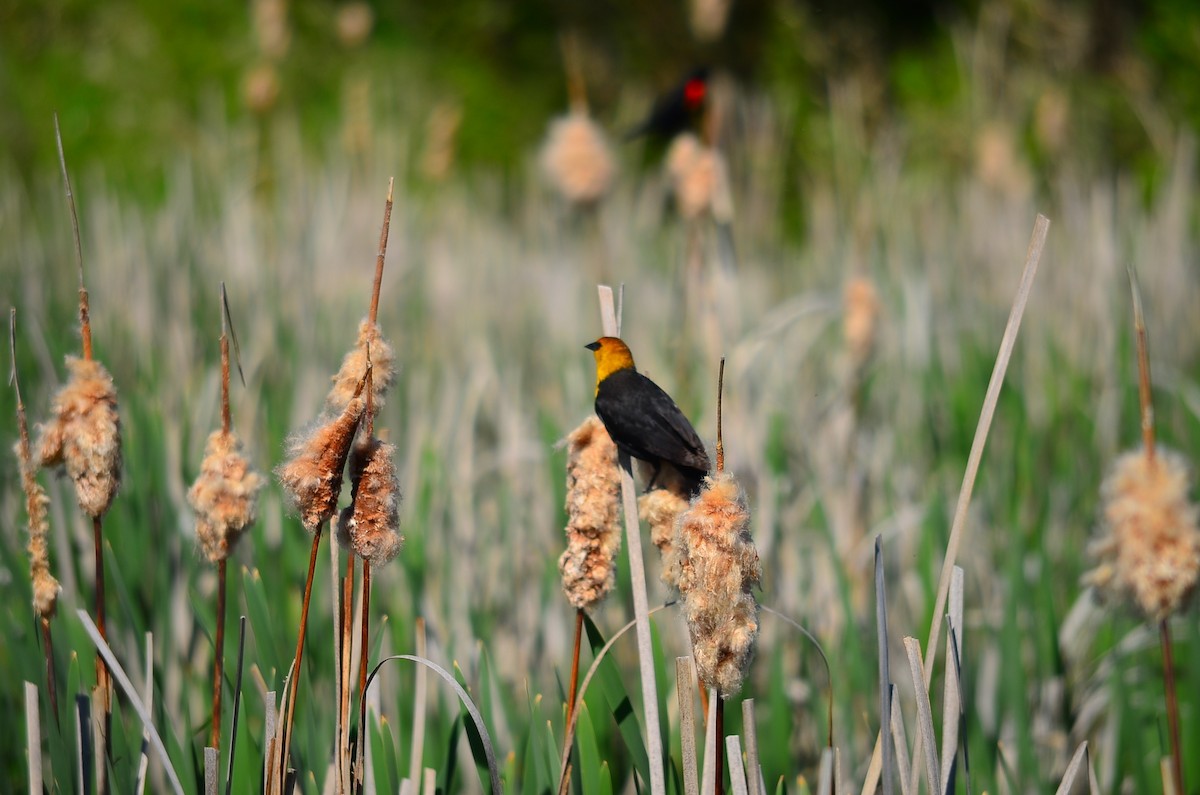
[(293, 685), (1172, 697), (574, 681), (218, 660)]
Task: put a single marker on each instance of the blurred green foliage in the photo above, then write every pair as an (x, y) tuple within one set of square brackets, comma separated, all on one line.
[(135, 82)]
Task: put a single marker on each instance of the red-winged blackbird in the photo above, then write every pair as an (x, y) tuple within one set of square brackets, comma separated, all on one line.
[(678, 110), (642, 419)]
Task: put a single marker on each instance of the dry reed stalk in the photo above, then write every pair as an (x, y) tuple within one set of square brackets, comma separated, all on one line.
[(45, 587), (637, 575), (588, 565), (1148, 553)]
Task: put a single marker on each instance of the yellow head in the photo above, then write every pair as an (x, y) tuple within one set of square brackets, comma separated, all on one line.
[(611, 355)]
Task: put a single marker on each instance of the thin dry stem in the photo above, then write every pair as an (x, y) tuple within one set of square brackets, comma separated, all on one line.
[(364, 648), (573, 682), (377, 285), (294, 684), (719, 756), (1172, 697), (218, 660), (720, 401), (1145, 395)]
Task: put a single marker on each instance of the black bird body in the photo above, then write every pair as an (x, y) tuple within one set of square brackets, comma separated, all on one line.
[(677, 110)]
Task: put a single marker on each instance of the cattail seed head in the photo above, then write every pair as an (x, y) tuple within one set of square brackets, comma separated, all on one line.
[(698, 179), (1149, 550), (312, 476), (859, 322), (371, 523), (593, 500), (718, 568), (45, 586), (370, 346), (84, 435), (577, 160), (224, 496), (659, 509)]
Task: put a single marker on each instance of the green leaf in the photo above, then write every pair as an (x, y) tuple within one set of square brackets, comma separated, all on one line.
[(613, 694)]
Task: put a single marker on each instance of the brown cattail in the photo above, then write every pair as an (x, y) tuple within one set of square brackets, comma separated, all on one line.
[(85, 435), (354, 22), (708, 18), (1149, 550), (860, 321), (45, 586), (593, 504), (371, 346), (371, 524), (312, 477), (577, 160), (718, 567), (698, 179), (224, 496), (659, 509)]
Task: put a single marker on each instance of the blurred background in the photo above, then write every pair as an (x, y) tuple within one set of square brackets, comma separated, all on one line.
[(137, 83), (880, 161)]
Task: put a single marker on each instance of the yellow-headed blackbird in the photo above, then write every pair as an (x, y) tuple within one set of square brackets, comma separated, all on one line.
[(642, 419)]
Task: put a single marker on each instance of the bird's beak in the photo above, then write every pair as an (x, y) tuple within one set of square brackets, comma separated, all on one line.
[(593, 346)]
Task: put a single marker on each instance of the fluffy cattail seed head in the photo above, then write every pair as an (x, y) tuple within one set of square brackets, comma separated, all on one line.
[(224, 496), (698, 179), (45, 586), (593, 500), (859, 323), (659, 509), (718, 568), (372, 522), (1149, 549), (84, 435), (370, 346), (312, 476), (577, 160)]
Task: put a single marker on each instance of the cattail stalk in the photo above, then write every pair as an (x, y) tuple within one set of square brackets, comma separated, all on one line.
[(224, 498), (718, 567), (219, 643), (1146, 402), (45, 586), (85, 437)]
